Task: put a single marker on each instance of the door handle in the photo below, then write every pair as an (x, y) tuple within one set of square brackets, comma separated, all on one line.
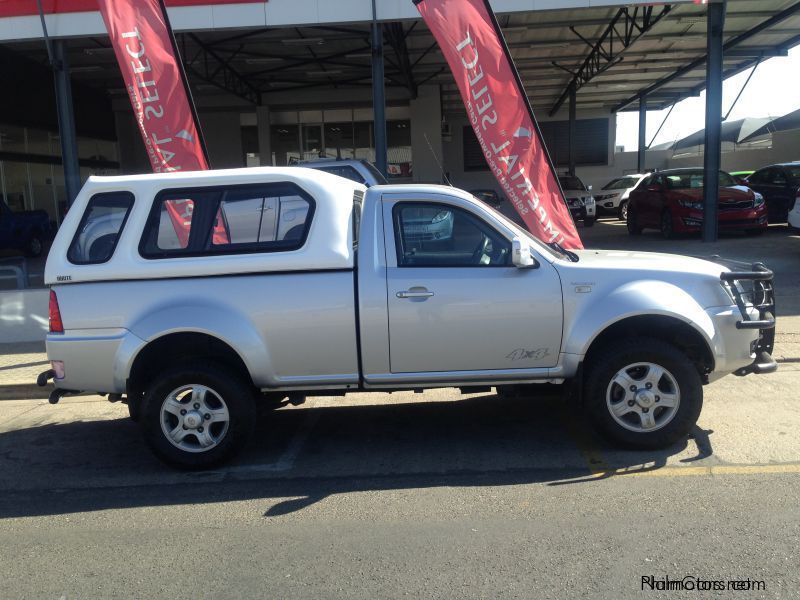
[(414, 294)]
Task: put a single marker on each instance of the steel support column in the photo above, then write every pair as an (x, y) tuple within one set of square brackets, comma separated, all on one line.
[(712, 149), (573, 100), (640, 159), (66, 122), (378, 95)]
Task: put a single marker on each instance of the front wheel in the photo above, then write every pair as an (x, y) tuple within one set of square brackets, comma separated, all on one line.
[(198, 416), (588, 221), (623, 211), (633, 224), (644, 393), (35, 246)]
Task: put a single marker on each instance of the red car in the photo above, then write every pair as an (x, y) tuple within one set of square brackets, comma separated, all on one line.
[(672, 201)]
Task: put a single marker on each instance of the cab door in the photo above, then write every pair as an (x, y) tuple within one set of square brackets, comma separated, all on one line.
[(455, 301)]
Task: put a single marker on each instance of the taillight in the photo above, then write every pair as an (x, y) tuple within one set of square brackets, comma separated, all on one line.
[(56, 326)]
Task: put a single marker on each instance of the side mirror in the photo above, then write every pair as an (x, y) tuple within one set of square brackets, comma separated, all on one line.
[(589, 188), (521, 254)]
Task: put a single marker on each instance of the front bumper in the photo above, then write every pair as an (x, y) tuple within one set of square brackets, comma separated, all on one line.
[(761, 305), (687, 220)]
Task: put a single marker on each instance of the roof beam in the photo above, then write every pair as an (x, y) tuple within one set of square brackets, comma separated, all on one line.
[(606, 52), (699, 62)]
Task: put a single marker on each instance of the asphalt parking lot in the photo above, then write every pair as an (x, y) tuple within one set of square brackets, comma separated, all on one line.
[(433, 494)]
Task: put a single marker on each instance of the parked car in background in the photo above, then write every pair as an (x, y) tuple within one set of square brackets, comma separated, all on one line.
[(672, 201), (780, 186), (358, 170), (26, 231), (741, 176), (614, 195), (794, 215), (579, 200)]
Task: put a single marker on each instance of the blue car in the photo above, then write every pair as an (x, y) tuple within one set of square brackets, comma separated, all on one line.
[(25, 231)]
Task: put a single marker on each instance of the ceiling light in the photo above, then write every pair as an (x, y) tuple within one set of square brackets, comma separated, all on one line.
[(96, 51), (260, 60), (324, 73), (311, 41)]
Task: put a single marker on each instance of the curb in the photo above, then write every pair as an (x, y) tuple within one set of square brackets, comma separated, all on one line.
[(25, 391)]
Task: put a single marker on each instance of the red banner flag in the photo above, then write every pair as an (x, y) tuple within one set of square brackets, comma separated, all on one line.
[(154, 78), (159, 93), (500, 114)]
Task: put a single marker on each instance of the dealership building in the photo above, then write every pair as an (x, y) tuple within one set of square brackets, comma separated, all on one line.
[(286, 80)]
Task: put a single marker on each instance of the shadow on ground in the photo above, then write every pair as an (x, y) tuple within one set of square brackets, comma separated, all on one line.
[(302, 455)]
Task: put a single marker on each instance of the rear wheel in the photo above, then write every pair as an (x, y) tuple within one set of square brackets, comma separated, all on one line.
[(197, 416), (643, 393), (666, 225)]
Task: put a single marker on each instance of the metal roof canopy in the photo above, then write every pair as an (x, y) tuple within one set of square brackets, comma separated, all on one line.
[(662, 56)]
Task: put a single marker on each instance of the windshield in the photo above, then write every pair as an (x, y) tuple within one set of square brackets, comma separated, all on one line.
[(687, 180), (569, 182), (379, 178), (522, 232), (622, 183)]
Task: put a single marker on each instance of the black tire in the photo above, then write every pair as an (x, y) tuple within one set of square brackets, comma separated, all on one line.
[(588, 221), (666, 225), (622, 213), (615, 358), (228, 386), (134, 409), (35, 246), (633, 224)]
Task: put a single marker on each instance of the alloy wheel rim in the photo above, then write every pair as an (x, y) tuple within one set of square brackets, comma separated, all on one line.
[(194, 418), (643, 397)]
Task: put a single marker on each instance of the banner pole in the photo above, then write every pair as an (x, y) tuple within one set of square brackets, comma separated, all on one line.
[(518, 79), (185, 81)]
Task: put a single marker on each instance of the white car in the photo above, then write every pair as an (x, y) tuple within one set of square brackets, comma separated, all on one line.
[(358, 170), (579, 200), (613, 197), (794, 214)]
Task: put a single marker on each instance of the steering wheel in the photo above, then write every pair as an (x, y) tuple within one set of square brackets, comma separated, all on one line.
[(480, 250)]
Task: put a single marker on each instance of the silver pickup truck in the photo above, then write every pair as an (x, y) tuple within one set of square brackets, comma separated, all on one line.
[(222, 292)]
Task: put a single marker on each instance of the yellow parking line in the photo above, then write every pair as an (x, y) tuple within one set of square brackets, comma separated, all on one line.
[(645, 471), (600, 469)]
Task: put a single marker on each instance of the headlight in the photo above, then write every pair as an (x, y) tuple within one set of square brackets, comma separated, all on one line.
[(441, 216), (759, 199), (691, 204)]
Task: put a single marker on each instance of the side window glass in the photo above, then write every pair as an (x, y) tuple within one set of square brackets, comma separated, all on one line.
[(345, 171), (778, 177), (437, 235), (237, 219), (249, 217), (175, 223), (757, 177), (100, 228)]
